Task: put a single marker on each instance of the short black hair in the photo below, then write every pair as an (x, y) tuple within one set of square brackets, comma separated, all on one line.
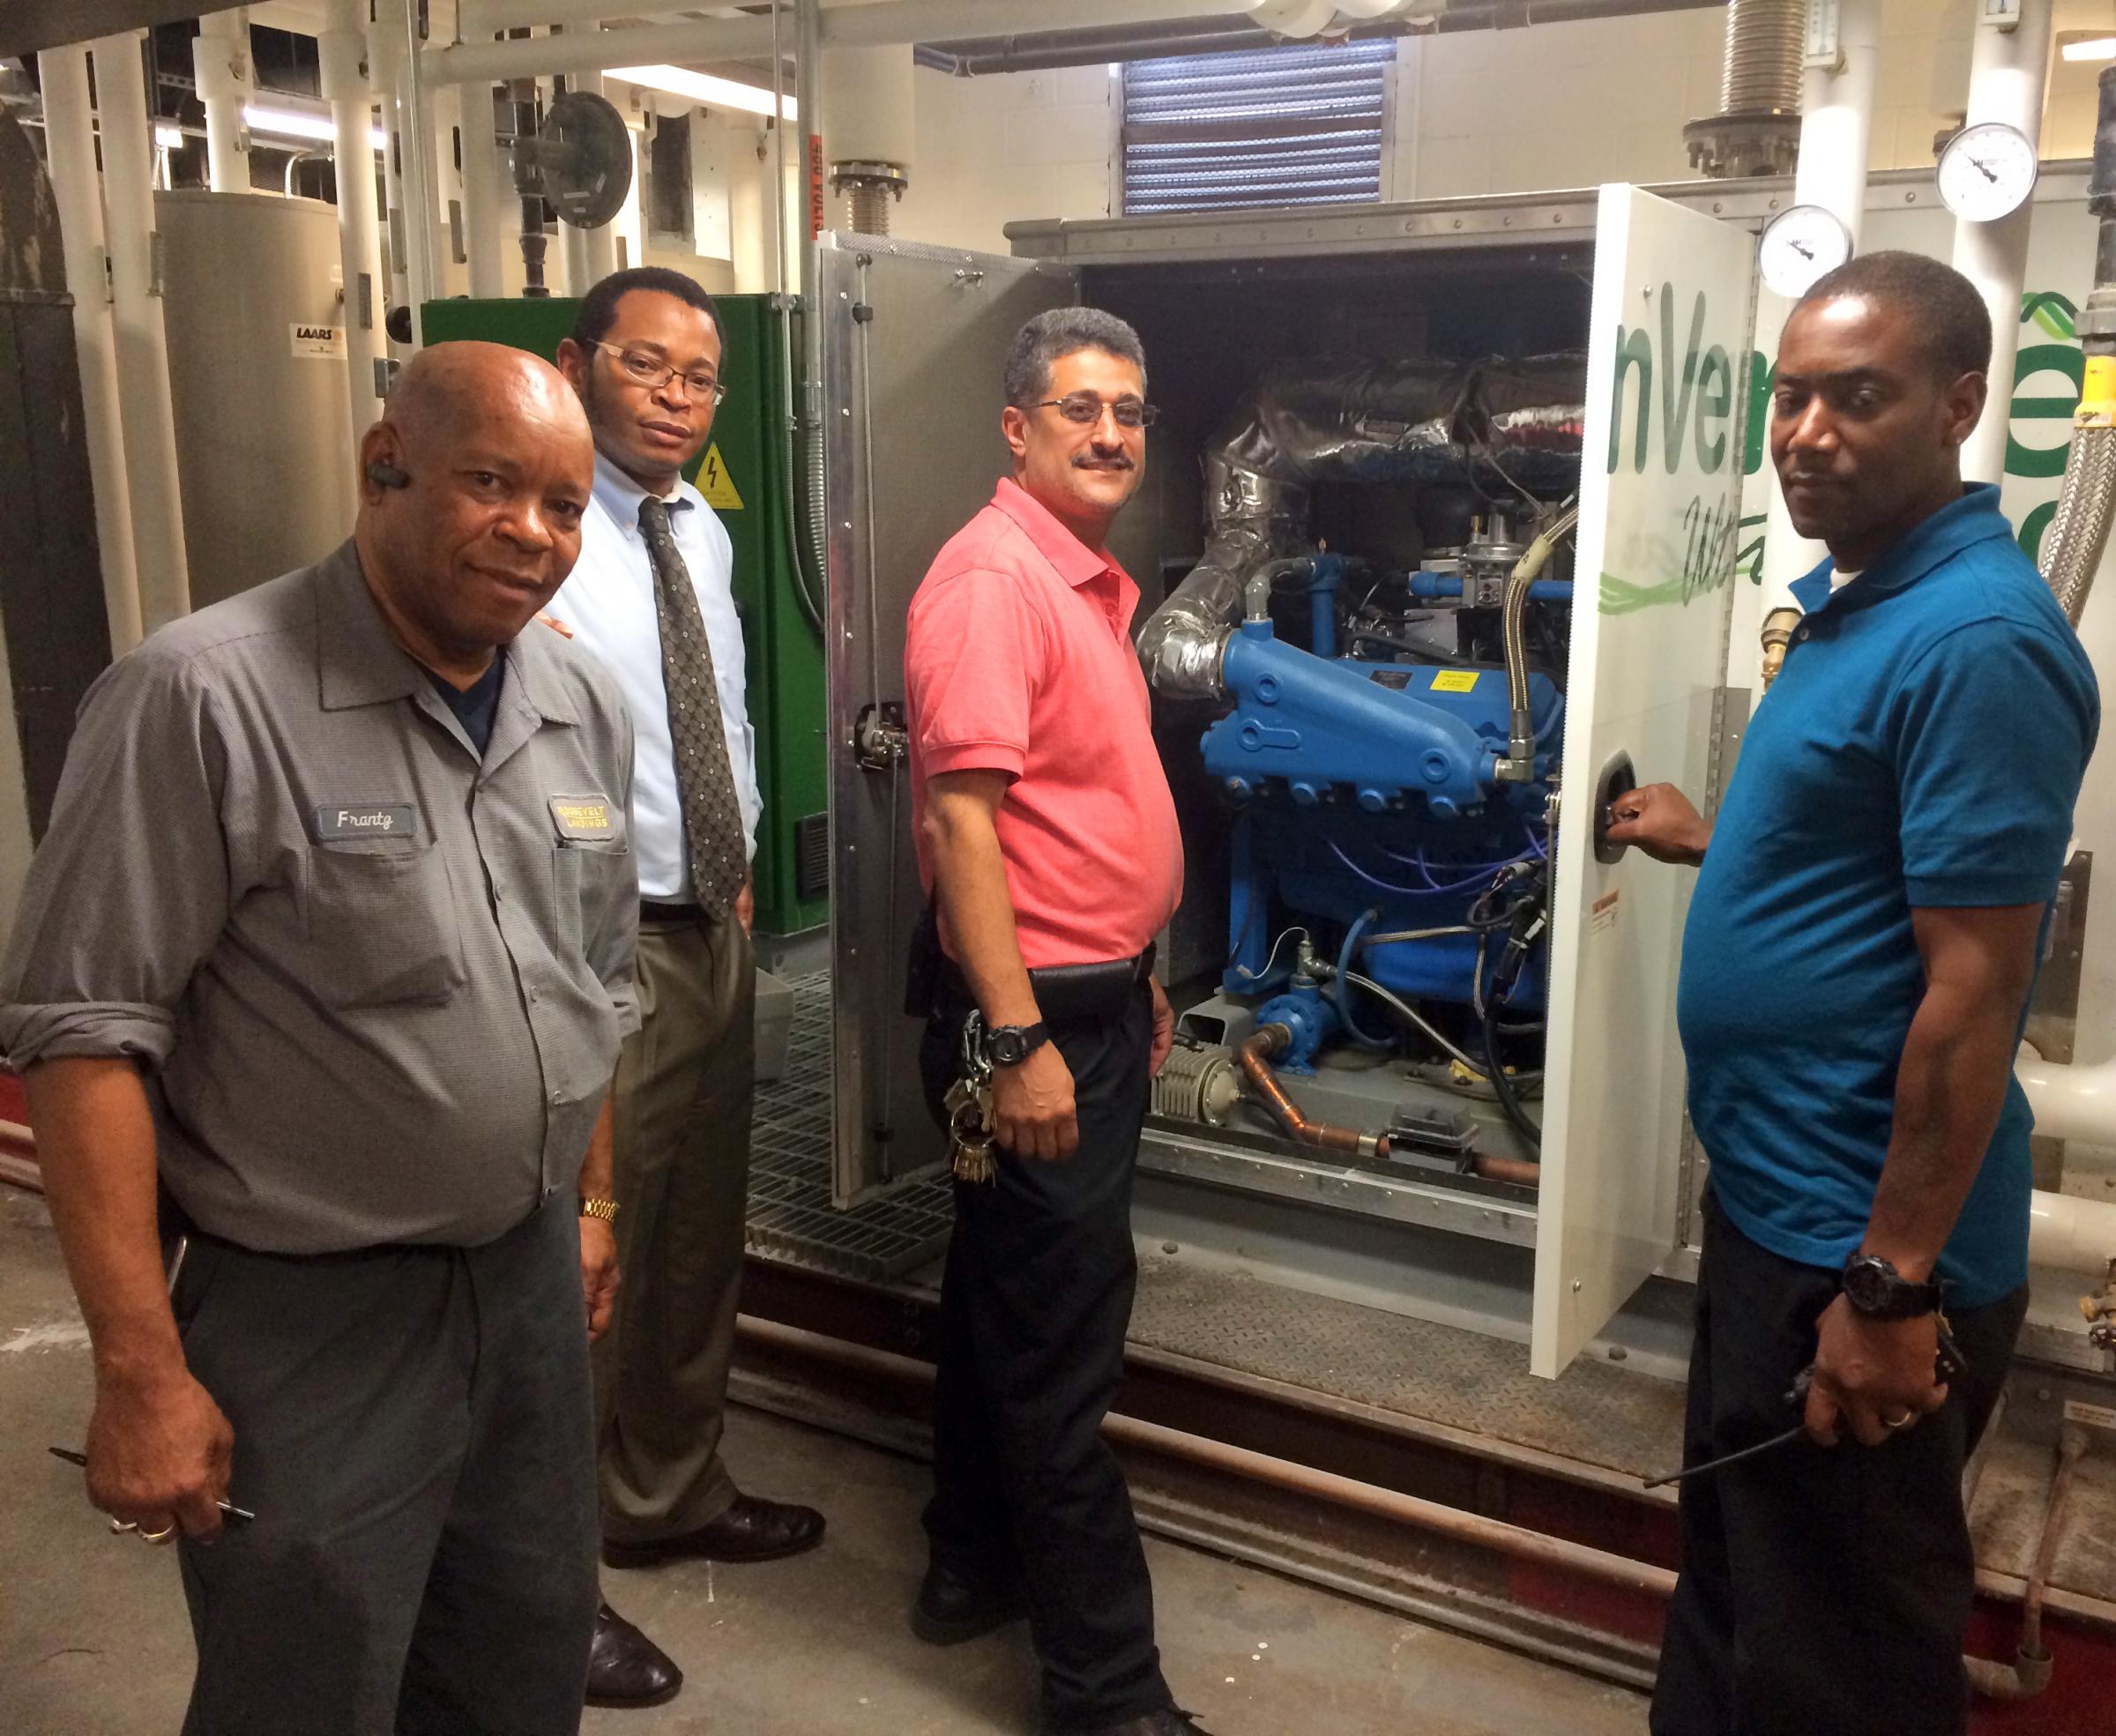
[(1061, 332), (598, 310), (1951, 317)]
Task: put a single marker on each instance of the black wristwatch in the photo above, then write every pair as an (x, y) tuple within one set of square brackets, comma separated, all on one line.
[(1011, 1045), (1878, 1290)]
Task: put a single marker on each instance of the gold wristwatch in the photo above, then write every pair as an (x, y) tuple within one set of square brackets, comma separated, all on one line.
[(606, 1210)]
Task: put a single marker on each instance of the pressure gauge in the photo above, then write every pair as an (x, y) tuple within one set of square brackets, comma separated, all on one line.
[(1799, 245), (1986, 171)]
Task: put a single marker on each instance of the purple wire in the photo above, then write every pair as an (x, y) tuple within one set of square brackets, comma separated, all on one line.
[(1428, 890)]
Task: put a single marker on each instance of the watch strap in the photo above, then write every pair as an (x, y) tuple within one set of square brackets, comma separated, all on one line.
[(596, 1206)]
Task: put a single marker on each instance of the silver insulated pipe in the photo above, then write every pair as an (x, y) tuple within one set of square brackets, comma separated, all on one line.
[(2073, 545)]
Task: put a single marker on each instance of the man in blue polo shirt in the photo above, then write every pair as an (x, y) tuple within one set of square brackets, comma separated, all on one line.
[(1855, 974)]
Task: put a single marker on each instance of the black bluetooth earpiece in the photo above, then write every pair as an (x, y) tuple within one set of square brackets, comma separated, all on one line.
[(387, 476)]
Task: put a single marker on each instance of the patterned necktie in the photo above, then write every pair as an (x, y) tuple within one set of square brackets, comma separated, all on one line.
[(714, 833)]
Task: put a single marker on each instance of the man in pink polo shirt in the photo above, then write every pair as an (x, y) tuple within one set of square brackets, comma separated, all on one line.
[(1047, 837)]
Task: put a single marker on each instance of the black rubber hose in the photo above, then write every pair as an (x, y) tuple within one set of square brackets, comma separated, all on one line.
[(1502, 1086)]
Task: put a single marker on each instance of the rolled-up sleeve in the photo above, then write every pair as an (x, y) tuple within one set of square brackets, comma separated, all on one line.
[(130, 888), (1993, 724), (974, 655)]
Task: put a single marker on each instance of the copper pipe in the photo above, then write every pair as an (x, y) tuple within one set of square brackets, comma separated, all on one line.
[(1515, 1542), (1272, 1039), (2028, 1673), (1520, 1171)]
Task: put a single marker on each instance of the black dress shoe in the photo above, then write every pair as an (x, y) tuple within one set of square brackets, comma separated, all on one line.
[(1167, 1722), (749, 1530), (625, 1668), (950, 1609)]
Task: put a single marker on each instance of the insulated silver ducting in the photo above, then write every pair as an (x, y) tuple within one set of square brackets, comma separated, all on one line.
[(1757, 129), (1332, 419), (2071, 547)]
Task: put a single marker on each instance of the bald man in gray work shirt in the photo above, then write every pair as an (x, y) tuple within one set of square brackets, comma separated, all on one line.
[(331, 944)]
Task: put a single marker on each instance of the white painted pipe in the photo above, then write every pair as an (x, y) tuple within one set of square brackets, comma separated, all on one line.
[(887, 22), (384, 54), (411, 178), (342, 50), (221, 65), (2008, 70), (70, 145), (2069, 1235), (485, 193), (143, 342), (2074, 1102), (1836, 129)]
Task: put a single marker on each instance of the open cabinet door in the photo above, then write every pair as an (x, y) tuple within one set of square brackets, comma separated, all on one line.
[(1660, 483), (914, 343)]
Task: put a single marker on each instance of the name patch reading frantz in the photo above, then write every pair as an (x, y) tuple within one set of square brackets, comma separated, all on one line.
[(336, 820), (583, 817)]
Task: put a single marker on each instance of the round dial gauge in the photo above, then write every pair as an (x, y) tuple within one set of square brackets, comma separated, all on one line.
[(1986, 171), (1798, 246)]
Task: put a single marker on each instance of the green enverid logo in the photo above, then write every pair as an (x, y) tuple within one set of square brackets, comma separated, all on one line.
[(1694, 395)]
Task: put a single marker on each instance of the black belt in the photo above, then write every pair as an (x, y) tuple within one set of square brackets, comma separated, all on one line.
[(651, 911), (1068, 994)]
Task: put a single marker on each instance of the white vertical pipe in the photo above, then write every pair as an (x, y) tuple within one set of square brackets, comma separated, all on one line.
[(70, 145), (343, 51), (1836, 129), (384, 72), (2009, 72), (394, 46), (143, 342), (597, 248), (485, 235), (222, 63), (630, 227)]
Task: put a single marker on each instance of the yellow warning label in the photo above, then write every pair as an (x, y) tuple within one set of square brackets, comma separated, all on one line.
[(1455, 681), (716, 484)]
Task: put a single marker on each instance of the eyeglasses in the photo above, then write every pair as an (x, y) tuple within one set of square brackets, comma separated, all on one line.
[(653, 373), (1085, 408)]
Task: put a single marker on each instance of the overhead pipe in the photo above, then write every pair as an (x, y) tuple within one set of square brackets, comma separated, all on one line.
[(1836, 129), (2008, 71), (343, 52), (142, 340), (222, 65), (69, 153), (1756, 131)]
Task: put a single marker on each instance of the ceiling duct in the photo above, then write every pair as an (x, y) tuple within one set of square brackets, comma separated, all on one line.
[(1757, 129)]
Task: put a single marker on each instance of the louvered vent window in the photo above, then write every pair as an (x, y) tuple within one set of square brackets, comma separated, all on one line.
[(1301, 124)]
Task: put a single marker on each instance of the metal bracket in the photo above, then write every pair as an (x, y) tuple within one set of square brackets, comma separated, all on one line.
[(386, 371), (880, 741), (1824, 50), (364, 301), (157, 262), (455, 232), (1998, 14)]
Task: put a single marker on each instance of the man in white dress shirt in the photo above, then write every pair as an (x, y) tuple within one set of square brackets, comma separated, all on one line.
[(652, 598)]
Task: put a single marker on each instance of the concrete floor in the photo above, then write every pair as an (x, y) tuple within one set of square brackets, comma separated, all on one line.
[(94, 1641)]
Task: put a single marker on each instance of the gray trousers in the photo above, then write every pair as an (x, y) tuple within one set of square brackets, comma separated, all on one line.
[(683, 1096), (413, 1432)]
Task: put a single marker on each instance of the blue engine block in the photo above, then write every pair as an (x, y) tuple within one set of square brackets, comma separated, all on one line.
[(1366, 805)]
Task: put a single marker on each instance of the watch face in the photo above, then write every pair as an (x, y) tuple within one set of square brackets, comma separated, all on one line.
[(1799, 246), (1986, 171), (1867, 1286), (1007, 1048)]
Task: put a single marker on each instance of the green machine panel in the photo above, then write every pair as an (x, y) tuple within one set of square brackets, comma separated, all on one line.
[(743, 474)]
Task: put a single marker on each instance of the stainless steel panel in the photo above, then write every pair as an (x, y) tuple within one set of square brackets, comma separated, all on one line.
[(263, 435), (915, 340)]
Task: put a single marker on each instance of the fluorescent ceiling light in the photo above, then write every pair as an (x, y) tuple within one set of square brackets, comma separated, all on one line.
[(702, 87), (297, 123), (2090, 48), (169, 137)]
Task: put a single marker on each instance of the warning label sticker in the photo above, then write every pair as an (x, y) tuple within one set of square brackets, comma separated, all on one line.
[(2094, 1416), (1602, 917), (1455, 681), (319, 342), (715, 483)]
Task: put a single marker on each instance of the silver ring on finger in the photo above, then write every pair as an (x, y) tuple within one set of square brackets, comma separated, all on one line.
[(1902, 1421), (162, 1536), (119, 1527)]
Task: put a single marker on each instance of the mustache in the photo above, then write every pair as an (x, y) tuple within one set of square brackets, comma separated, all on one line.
[(1116, 463)]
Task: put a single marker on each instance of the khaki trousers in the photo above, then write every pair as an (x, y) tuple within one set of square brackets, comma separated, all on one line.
[(684, 1089)]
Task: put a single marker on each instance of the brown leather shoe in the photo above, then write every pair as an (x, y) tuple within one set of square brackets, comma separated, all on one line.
[(749, 1530), (625, 1668)]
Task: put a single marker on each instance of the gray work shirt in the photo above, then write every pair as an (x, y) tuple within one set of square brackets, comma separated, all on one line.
[(379, 984)]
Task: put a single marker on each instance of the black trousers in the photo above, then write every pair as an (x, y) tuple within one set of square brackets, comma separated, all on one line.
[(414, 1432), (1824, 1591), (1034, 1305)]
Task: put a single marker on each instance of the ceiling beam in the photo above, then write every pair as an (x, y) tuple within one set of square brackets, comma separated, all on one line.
[(27, 27)]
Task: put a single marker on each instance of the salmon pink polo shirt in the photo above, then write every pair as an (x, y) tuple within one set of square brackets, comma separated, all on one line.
[(1018, 658)]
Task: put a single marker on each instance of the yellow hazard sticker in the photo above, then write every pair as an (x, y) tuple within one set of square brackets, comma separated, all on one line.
[(715, 483), (1455, 681)]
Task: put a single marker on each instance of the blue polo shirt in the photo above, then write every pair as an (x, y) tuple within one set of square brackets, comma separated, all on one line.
[(1922, 748)]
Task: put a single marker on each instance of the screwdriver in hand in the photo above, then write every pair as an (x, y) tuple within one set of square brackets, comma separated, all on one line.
[(81, 1459)]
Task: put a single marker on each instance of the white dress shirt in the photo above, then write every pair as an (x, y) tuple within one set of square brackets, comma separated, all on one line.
[(608, 603)]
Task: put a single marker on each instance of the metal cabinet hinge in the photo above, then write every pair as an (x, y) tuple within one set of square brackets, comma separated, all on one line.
[(880, 741)]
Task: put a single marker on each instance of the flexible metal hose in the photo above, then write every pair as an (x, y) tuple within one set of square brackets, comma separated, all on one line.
[(1519, 765), (1764, 42), (2073, 545)]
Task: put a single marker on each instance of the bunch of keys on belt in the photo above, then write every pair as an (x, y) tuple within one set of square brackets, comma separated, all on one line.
[(969, 1107)]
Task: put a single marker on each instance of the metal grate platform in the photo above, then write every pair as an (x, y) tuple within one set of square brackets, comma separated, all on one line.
[(791, 1217)]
